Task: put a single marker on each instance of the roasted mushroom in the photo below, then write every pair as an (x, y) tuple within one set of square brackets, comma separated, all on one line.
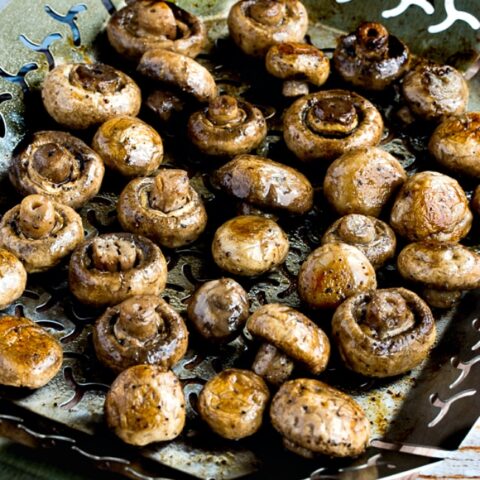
[(145, 404), (371, 58), (232, 403), (314, 418), (164, 208), (334, 272), (219, 309), (148, 24), (79, 95), (384, 333), (289, 338), (108, 269), (13, 278), (431, 206), (227, 127), (256, 25), (324, 125), (58, 165), (363, 181), (29, 356), (249, 245), (165, 105)]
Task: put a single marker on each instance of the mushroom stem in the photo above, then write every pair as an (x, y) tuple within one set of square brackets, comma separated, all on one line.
[(224, 109), (37, 216), (268, 12), (157, 19), (295, 88), (372, 39), (113, 255), (96, 78), (53, 162), (441, 298), (171, 190), (332, 116), (273, 365), (356, 229)]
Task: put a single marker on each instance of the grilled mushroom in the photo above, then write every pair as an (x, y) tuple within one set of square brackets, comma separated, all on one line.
[(40, 232), (165, 104), (256, 25), (108, 269), (384, 333), (79, 96), (326, 124), (58, 165), (145, 404), (232, 403), (314, 418), (289, 338), (13, 278), (164, 208)]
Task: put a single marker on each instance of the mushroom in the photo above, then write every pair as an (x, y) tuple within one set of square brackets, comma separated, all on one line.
[(164, 208), (266, 184), (108, 269), (218, 310), (314, 418), (227, 126), (13, 278), (129, 146), (299, 65), (431, 206), (374, 238), (58, 165), (148, 24), (363, 181), (142, 329), (29, 356), (256, 25), (165, 105), (383, 333), (145, 404), (249, 245), (371, 58), (232, 403), (79, 96), (326, 124), (444, 270), (289, 338), (334, 272)]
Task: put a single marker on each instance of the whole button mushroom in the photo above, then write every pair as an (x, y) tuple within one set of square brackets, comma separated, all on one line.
[(384, 333), (232, 403), (29, 356), (145, 25), (164, 208), (219, 309), (79, 96), (374, 238), (60, 166), (256, 25), (334, 272), (227, 127), (363, 181), (371, 58), (13, 278), (249, 245), (264, 183), (314, 418), (431, 206), (142, 329), (324, 125), (108, 269), (145, 404), (289, 338)]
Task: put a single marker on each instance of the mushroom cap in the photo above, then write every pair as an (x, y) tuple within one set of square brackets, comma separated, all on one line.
[(73, 100), (232, 403), (292, 333), (362, 181), (145, 404), (249, 245), (431, 206), (13, 278), (334, 272), (314, 418)]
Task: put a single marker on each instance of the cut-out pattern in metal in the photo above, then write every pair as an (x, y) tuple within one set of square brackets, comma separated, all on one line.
[(70, 18), (43, 46), (425, 5), (444, 405), (19, 77)]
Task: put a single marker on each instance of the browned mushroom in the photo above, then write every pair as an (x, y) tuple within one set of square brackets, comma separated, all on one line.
[(314, 418), (145, 404), (232, 403), (384, 333), (165, 104), (164, 208), (58, 165), (108, 269), (80, 95), (13, 278), (324, 125)]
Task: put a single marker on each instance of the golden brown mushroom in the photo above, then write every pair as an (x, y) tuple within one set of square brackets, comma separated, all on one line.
[(13, 278)]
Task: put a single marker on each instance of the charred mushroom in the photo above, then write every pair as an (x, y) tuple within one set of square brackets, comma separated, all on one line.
[(13, 278)]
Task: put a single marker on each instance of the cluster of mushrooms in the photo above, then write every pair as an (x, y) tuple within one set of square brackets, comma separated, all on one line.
[(140, 337)]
